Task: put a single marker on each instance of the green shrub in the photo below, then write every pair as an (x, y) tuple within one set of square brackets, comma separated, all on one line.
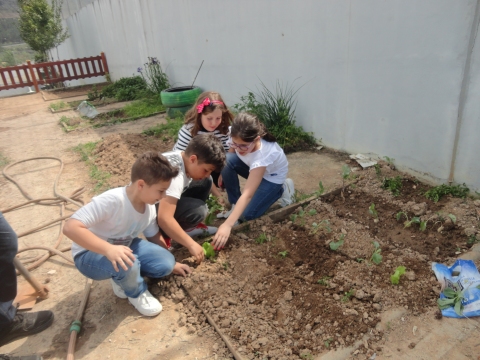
[(436, 193), (276, 109), (125, 89)]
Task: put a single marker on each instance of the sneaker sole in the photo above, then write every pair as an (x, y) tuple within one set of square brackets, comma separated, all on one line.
[(121, 296)]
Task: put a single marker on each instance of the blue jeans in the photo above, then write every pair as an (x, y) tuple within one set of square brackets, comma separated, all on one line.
[(151, 260), (265, 195), (8, 250)]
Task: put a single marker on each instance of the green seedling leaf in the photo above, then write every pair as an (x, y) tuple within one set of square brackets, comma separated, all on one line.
[(415, 220), (312, 212), (376, 258), (335, 245), (399, 215), (372, 211), (208, 250), (283, 254), (376, 245), (321, 189), (395, 278), (301, 213), (345, 171), (445, 303), (449, 293), (293, 217), (453, 218), (423, 225)]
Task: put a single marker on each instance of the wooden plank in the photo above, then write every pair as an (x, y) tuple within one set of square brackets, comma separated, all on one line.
[(32, 73)]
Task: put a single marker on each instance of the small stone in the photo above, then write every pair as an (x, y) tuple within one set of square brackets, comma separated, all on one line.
[(476, 203), (410, 275), (377, 307), (242, 236), (359, 294), (470, 231), (288, 295), (134, 331), (436, 251), (365, 315), (336, 296), (51, 272)]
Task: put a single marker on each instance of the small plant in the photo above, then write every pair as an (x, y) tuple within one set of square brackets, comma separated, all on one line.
[(335, 245), (414, 220), (226, 265), (94, 94), (324, 224), (345, 174), (347, 296), (283, 254), (359, 260), (390, 162), (58, 106), (395, 278), (436, 193), (300, 214), (393, 185), (320, 190), (208, 250), (312, 212), (154, 76), (324, 280), (307, 356), (472, 239), (327, 342), (262, 238), (378, 170), (376, 257), (213, 208), (452, 298), (372, 211)]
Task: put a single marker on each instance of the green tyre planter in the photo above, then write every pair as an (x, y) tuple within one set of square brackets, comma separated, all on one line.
[(180, 96), (178, 111)]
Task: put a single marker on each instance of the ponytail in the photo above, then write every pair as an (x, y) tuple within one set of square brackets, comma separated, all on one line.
[(247, 127)]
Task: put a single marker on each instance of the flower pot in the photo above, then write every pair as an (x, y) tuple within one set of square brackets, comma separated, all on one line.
[(177, 97)]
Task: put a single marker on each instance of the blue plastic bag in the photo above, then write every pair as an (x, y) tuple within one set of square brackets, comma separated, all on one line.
[(463, 276)]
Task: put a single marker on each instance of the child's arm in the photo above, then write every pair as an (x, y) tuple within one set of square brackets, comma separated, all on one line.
[(117, 254), (158, 239), (215, 192), (254, 179), (167, 222)]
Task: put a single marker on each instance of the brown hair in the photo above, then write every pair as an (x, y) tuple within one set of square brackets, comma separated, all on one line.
[(195, 118), (247, 127), (152, 168), (208, 149)]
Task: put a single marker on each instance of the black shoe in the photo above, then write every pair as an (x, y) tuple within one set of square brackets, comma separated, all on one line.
[(27, 357), (25, 324)]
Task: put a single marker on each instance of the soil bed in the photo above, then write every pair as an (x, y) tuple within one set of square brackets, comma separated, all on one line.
[(278, 291)]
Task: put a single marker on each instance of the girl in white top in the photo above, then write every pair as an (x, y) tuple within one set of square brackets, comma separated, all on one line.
[(256, 156)]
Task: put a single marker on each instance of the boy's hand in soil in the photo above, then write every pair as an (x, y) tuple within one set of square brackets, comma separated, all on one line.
[(221, 237), (181, 269), (196, 251), (119, 254)]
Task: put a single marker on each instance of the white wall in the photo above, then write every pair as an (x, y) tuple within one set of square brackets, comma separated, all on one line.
[(379, 76)]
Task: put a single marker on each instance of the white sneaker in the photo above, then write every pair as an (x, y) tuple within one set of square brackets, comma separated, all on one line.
[(288, 195), (117, 290), (146, 304), (202, 229), (225, 214)]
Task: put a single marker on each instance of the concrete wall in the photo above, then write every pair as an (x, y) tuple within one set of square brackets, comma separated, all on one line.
[(380, 77)]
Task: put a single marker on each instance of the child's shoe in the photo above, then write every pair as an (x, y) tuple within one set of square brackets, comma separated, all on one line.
[(201, 229), (146, 304), (117, 290), (226, 213), (288, 195)]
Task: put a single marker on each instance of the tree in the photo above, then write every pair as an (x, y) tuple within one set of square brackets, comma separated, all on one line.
[(41, 26)]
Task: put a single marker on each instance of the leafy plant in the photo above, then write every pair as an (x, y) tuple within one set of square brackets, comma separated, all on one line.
[(395, 278), (345, 174), (208, 250), (472, 239), (154, 76), (94, 94), (320, 190), (335, 245), (347, 296), (376, 257), (324, 224), (436, 193), (452, 298), (283, 254), (372, 211), (58, 106), (378, 170), (262, 238), (276, 109), (393, 185), (324, 280), (213, 208), (312, 212), (129, 88), (414, 220), (226, 265), (327, 342)]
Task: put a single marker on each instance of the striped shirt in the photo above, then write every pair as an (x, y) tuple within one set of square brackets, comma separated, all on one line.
[(185, 135)]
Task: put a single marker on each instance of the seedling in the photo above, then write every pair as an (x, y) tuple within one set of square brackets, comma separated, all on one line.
[(283, 254), (262, 238), (436, 193), (414, 220), (327, 342), (393, 185), (208, 250), (395, 278), (312, 212), (378, 171), (360, 260), (472, 239), (226, 265), (390, 162), (452, 298), (335, 245), (213, 208), (320, 190), (345, 173), (376, 257), (323, 280), (372, 211), (325, 224), (347, 296), (307, 356)]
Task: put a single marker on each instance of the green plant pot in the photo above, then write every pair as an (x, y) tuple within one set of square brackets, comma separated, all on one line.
[(180, 96)]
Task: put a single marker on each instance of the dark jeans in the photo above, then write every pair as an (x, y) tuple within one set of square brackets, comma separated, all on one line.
[(8, 277), (191, 207)]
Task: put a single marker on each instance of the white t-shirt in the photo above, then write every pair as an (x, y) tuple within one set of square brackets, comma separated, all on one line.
[(112, 217), (181, 182), (271, 156)]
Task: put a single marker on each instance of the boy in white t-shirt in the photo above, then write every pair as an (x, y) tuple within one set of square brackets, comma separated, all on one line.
[(181, 213), (105, 234)]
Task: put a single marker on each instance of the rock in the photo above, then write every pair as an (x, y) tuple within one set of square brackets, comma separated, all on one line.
[(476, 203), (351, 312), (410, 275), (436, 251), (377, 297), (231, 301), (448, 224), (419, 209), (377, 307), (242, 236), (336, 296), (288, 295), (470, 231), (134, 331), (180, 295), (359, 294), (365, 315), (191, 320), (225, 323)]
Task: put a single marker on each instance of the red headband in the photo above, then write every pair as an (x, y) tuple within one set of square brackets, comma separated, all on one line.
[(207, 102)]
